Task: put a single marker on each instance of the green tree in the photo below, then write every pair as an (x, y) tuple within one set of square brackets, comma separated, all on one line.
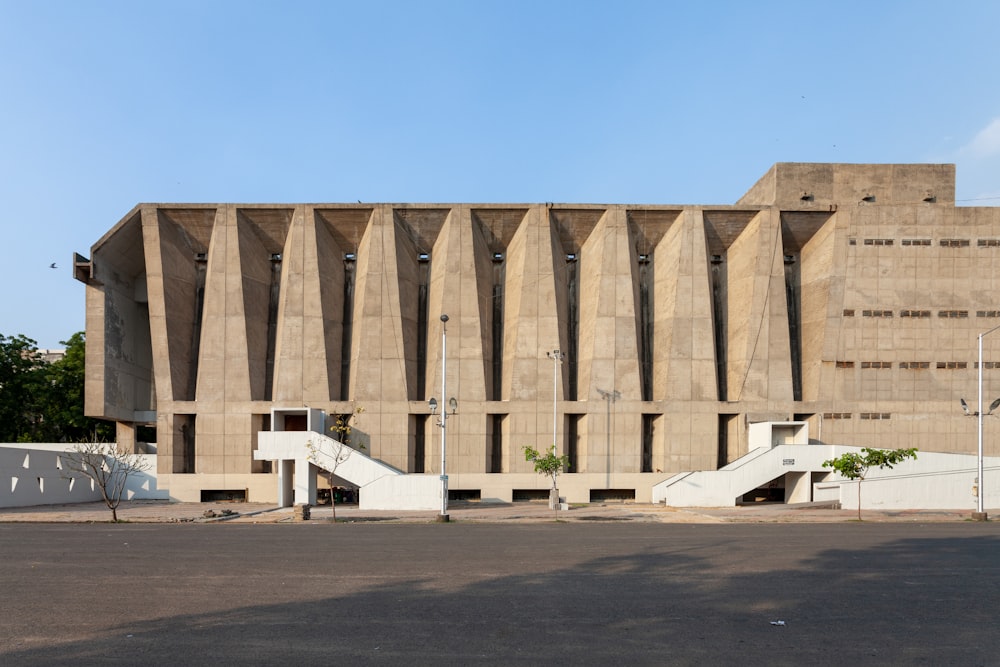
[(42, 402), (548, 464), (64, 398), (855, 465), (20, 386)]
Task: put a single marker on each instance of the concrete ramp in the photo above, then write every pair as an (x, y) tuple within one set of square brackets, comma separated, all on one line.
[(723, 487), (300, 454), (351, 465)]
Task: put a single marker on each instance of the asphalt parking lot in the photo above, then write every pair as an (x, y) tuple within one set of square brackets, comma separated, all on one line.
[(589, 592)]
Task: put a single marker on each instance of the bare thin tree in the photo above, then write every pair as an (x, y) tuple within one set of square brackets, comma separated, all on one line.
[(105, 465), (340, 452)]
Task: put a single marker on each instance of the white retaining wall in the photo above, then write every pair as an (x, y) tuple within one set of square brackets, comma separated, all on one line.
[(33, 474), (934, 481)]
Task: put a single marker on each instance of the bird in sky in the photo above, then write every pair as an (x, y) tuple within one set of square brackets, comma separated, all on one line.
[(53, 266)]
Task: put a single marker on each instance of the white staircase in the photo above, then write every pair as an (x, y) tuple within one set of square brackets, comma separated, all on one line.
[(723, 487), (299, 454)]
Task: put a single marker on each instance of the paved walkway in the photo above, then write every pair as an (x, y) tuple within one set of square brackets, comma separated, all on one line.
[(167, 512)]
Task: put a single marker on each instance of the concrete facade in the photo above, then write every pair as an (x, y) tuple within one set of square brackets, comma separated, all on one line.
[(848, 297)]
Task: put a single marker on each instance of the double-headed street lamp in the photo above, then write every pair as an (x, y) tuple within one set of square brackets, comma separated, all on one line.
[(556, 356), (980, 514), (609, 396), (453, 407)]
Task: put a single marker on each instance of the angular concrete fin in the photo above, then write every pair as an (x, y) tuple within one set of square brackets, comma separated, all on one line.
[(292, 335), (222, 367), (683, 336), (492, 231), (809, 242), (261, 238), (337, 236), (758, 357), (178, 241), (384, 318), (609, 335), (461, 249), (424, 254), (533, 311)]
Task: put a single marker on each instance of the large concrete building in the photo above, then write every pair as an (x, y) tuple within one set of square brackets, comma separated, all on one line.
[(846, 297)]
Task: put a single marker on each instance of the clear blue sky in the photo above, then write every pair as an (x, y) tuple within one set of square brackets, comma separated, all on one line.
[(105, 104)]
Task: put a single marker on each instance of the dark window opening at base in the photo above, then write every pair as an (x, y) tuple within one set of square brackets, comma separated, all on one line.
[(530, 495), (611, 495), (145, 433), (223, 495), (464, 495), (184, 444), (647, 442), (572, 442), (764, 494), (344, 495), (419, 461)]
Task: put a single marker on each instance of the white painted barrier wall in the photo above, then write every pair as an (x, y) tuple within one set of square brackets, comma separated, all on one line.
[(402, 492), (33, 474), (934, 481)]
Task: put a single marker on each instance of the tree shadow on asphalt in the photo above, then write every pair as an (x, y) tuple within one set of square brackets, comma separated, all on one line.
[(911, 600)]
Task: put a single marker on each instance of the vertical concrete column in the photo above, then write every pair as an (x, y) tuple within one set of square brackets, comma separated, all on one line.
[(305, 482), (798, 487), (125, 437), (286, 470), (683, 346)]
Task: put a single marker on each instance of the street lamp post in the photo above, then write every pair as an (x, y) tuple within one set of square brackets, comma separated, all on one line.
[(453, 406), (980, 514), (556, 356), (610, 397)]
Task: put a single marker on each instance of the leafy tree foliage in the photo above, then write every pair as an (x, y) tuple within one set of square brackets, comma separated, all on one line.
[(547, 464), (855, 465), (21, 374), (43, 402)]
